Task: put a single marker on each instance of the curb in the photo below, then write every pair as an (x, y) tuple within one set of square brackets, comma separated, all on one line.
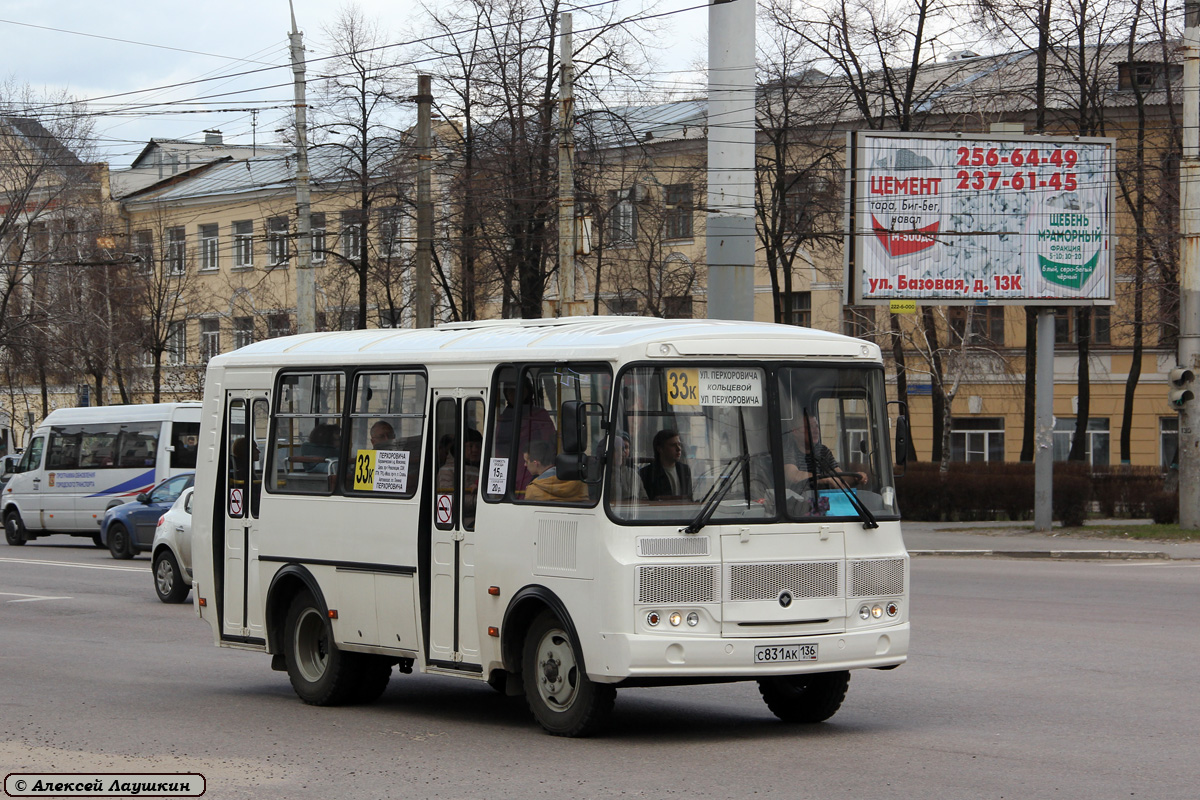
[(1065, 555)]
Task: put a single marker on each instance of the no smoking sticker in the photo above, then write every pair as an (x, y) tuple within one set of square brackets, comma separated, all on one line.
[(445, 508)]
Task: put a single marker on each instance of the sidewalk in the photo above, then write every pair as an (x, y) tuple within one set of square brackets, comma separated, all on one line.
[(1017, 540)]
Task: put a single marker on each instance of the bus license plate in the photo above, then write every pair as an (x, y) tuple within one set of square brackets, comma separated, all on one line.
[(784, 653)]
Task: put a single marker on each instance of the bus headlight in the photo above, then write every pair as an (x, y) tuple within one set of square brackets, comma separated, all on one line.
[(893, 609), (876, 611), (676, 618), (864, 612), (653, 618), (693, 619)]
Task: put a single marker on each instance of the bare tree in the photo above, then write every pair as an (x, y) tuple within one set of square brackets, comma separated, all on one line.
[(359, 99)]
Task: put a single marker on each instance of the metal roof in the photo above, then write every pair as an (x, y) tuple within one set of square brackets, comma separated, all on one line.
[(574, 338)]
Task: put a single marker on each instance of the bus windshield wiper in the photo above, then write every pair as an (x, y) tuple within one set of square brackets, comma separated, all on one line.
[(718, 492), (864, 514)]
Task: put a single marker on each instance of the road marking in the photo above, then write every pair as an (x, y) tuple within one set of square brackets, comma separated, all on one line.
[(67, 564), (30, 598)]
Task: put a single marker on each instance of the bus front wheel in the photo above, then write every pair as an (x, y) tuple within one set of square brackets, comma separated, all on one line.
[(321, 674), (805, 698), (14, 528), (560, 695)]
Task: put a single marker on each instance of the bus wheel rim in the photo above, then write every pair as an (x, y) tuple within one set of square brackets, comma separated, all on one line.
[(557, 671), (311, 645)]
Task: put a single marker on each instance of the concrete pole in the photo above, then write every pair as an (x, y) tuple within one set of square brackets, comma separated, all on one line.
[(306, 282), (566, 173), (730, 227), (423, 296), (1189, 269), (1043, 441)]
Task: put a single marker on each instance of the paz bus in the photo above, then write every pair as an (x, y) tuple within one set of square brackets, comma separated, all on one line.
[(560, 508)]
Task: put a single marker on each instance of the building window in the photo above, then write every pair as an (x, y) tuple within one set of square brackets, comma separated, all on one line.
[(980, 439), (209, 248), (278, 325), (352, 229), (277, 240), (391, 318), (803, 197), (797, 309), (622, 306), (243, 331), (176, 352), (1066, 322), (678, 222), (987, 324), (622, 217), (1168, 442), (677, 307), (176, 250), (210, 339), (143, 249), (1096, 442), (243, 244), (858, 321), (391, 231), (317, 229), (1147, 75)]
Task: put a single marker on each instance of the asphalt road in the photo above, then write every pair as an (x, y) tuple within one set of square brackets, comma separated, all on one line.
[(1027, 679)]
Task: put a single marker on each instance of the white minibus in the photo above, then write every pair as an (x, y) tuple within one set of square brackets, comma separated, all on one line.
[(82, 461), (561, 508)]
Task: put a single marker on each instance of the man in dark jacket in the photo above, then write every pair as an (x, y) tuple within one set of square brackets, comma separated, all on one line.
[(667, 477)]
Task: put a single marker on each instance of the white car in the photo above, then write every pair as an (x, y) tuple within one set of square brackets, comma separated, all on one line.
[(172, 551)]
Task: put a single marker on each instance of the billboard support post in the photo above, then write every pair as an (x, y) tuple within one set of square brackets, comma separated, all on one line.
[(1043, 451)]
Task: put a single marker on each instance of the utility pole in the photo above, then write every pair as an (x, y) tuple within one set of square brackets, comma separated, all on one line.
[(566, 173), (424, 261), (730, 225), (306, 283), (1183, 377)]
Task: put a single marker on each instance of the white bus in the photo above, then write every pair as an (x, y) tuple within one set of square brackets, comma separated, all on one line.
[(82, 461), (385, 497)]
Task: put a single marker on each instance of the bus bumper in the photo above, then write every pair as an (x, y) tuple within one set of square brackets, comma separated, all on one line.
[(640, 656)]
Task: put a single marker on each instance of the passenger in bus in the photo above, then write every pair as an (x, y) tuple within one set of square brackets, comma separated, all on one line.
[(546, 486), (383, 436), (535, 425), (627, 485), (808, 463), (667, 477), (324, 443)]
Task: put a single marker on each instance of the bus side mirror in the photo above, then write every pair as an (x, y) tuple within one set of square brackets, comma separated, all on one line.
[(902, 433), (574, 427), (902, 440)]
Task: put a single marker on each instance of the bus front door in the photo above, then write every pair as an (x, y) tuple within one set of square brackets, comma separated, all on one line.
[(246, 424), (453, 621)]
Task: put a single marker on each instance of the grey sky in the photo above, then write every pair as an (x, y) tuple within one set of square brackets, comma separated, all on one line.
[(205, 40)]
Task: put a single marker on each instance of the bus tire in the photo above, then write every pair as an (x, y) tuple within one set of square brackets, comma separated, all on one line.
[(96, 540), (805, 698), (119, 543), (375, 672), (321, 674), (168, 579), (560, 695), (14, 528)]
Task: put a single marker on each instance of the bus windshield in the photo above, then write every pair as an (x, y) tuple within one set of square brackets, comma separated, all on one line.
[(725, 443)]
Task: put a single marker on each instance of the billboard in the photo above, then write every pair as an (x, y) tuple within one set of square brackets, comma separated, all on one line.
[(956, 219)]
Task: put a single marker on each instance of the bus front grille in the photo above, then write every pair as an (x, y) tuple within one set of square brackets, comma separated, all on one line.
[(876, 578), (685, 583), (805, 579)]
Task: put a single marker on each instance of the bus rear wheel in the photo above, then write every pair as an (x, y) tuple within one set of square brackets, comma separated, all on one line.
[(560, 695), (805, 698), (321, 674)]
